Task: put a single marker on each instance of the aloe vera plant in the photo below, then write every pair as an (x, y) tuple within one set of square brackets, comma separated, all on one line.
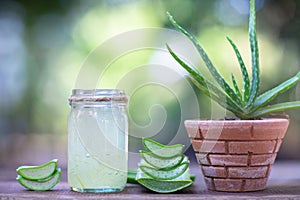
[(245, 103)]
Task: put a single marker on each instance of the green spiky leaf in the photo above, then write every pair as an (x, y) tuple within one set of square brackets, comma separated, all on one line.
[(246, 80), (248, 104), (217, 99), (254, 55), (237, 90), (276, 108), (271, 94), (207, 86), (214, 72)]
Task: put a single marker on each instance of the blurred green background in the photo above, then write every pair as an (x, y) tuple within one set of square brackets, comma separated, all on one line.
[(43, 45)]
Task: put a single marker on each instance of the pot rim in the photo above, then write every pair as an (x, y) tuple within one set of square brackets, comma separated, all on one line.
[(236, 121)]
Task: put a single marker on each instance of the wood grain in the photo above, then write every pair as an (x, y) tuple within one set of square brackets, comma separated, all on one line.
[(284, 183)]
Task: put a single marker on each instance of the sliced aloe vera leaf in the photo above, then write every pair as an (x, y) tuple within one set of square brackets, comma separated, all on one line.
[(165, 174), (131, 178), (161, 150), (164, 186), (38, 172), (132, 175), (161, 163), (41, 185)]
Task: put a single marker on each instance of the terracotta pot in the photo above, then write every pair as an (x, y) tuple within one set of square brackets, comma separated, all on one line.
[(236, 155)]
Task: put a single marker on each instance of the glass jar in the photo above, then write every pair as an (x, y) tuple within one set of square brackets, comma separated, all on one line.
[(97, 141)]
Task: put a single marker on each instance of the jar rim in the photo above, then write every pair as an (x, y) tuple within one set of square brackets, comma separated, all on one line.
[(97, 95)]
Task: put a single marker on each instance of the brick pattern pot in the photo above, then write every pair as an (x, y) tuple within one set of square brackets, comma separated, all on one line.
[(236, 155)]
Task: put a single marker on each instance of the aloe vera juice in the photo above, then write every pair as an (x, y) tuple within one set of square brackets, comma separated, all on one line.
[(97, 149)]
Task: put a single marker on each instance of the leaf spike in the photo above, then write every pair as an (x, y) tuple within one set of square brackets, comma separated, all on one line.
[(246, 81), (214, 72), (254, 55), (237, 90)]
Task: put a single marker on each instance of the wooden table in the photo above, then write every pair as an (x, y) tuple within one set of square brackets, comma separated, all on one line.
[(284, 183)]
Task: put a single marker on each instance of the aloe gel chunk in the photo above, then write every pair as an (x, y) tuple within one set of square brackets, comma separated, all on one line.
[(164, 186), (41, 185), (163, 174), (38, 172), (161, 150), (161, 163), (163, 169)]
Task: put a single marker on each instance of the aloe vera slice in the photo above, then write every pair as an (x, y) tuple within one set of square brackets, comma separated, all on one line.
[(41, 185), (164, 186), (38, 172), (161, 150), (161, 163), (163, 174), (132, 175)]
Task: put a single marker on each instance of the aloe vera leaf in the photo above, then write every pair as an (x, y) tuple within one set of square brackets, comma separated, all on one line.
[(246, 80), (165, 174), (193, 72), (159, 163), (132, 175), (220, 100), (131, 171), (210, 89), (214, 72), (41, 185), (203, 82), (237, 90), (168, 186), (266, 97), (38, 172), (164, 186), (276, 108), (160, 150), (254, 55)]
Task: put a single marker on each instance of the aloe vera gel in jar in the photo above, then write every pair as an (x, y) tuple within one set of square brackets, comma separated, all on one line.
[(97, 141)]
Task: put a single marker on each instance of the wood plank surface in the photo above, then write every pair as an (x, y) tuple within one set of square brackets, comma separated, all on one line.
[(284, 183)]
